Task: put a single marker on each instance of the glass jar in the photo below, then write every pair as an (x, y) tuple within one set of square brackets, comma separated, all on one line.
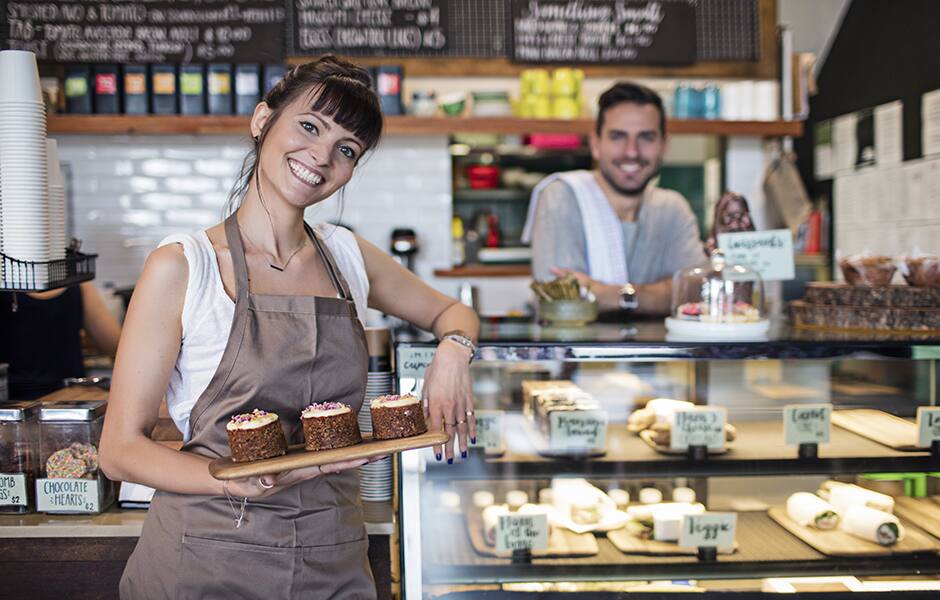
[(718, 298), (19, 447), (70, 480)]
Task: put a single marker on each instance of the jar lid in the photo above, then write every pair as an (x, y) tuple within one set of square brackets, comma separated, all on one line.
[(18, 411), (73, 410)]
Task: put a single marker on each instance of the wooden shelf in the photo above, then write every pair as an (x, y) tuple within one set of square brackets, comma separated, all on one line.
[(485, 271), (400, 125)]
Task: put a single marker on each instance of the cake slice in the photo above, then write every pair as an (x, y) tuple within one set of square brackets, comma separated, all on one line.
[(397, 417), (330, 425), (255, 436)]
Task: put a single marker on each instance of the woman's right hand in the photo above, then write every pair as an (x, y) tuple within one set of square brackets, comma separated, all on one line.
[(268, 485)]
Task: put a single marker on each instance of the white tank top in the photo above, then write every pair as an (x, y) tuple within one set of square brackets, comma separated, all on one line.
[(208, 313)]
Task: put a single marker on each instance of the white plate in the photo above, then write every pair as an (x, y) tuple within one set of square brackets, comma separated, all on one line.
[(699, 331)]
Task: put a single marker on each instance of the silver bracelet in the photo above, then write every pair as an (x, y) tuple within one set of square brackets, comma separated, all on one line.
[(463, 341)]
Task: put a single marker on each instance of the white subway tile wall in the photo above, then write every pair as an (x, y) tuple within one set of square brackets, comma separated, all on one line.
[(126, 193)]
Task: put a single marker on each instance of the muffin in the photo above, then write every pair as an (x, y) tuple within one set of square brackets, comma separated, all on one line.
[(255, 436), (868, 270), (922, 271), (397, 417), (330, 425)]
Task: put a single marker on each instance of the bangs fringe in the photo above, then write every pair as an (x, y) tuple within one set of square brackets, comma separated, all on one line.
[(351, 105)]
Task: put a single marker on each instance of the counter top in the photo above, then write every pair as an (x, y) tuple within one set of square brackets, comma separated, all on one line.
[(117, 522), (511, 338)]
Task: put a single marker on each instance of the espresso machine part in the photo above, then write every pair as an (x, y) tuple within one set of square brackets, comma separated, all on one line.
[(404, 247)]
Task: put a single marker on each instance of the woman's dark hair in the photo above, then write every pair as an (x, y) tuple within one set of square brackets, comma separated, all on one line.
[(626, 91), (338, 89)]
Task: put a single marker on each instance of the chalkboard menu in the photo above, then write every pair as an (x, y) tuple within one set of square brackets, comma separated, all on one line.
[(179, 31), (601, 31), (369, 27)]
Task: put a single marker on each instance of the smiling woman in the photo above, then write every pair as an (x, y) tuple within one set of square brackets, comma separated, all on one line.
[(263, 312)]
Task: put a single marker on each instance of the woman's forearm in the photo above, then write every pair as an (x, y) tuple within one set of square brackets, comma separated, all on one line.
[(150, 463), (459, 317)]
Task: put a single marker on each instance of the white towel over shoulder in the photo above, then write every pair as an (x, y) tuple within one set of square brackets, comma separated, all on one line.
[(602, 229)]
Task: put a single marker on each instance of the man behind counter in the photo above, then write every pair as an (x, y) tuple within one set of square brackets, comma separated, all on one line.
[(611, 227)]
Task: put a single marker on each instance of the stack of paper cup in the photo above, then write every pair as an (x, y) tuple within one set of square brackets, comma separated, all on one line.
[(375, 479), (23, 168), (57, 235), (766, 101)]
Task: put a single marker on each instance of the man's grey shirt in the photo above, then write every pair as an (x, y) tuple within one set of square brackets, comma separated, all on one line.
[(663, 239)]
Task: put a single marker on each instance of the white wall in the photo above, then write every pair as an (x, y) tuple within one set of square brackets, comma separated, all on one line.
[(127, 193), (814, 23)]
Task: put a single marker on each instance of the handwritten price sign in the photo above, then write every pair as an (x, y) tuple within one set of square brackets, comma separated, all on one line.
[(807, 423)]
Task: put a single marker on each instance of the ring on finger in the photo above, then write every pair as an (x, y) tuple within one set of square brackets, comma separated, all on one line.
[(262, 484), (469, 413), (461, 422)]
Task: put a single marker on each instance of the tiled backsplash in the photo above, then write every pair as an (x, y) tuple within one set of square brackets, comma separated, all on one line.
[(126, 193)]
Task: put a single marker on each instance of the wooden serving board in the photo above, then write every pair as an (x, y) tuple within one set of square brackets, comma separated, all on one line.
[(839, 543), (879, 426), (647, 436), (562, 543), (923, 511), (630, 544), (297, 457)]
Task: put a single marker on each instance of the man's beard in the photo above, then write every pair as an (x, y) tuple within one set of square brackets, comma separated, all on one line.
[(628, 191)]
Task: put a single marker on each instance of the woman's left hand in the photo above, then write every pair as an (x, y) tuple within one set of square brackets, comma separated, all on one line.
[(448, 397)]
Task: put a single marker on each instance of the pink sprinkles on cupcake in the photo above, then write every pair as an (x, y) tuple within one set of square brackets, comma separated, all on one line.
[(247, 417)]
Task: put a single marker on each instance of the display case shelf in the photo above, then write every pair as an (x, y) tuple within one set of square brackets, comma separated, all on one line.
[(398, 125), (764, 550), (758, 450)]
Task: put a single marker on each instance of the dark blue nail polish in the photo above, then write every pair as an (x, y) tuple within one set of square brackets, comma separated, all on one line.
[(463, 454), (473, 440), (438, 456), (450, 461)]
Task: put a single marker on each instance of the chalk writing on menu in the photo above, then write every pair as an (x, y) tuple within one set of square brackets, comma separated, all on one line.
[(180, 31), (369, 26), (601, 31)]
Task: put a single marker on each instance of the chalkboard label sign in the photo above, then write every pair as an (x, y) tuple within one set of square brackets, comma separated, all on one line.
[(601, 31), (180, 31), (373, 27)]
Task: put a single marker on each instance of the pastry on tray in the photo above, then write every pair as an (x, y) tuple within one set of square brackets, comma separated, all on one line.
[(809, 510), (396, 417), (329, 425), (255, 436)]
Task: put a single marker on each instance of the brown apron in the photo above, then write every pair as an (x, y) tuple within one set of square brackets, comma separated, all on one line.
[(307, 541)]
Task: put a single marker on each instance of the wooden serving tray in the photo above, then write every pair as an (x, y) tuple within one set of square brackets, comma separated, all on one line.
[(297, 457), (879, 426), (630, 544), (562, 543), (839, 543), (923, 511), (647, 436)]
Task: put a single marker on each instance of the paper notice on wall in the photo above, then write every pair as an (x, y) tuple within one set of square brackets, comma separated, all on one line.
[(930, 122), (844, 144), (914, 174), (824, 163), (889, 146), (932, 188)]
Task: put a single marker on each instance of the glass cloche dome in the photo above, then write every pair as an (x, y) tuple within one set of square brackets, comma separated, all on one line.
[(717, 297)]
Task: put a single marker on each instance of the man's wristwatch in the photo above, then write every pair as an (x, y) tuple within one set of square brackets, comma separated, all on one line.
[(461, 338), (628, 299)]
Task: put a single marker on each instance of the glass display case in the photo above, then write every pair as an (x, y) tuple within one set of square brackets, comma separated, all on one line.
[(609, 459)]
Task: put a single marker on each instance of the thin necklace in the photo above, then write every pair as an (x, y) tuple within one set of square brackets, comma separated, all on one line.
[(271, 222), (303, 242)]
